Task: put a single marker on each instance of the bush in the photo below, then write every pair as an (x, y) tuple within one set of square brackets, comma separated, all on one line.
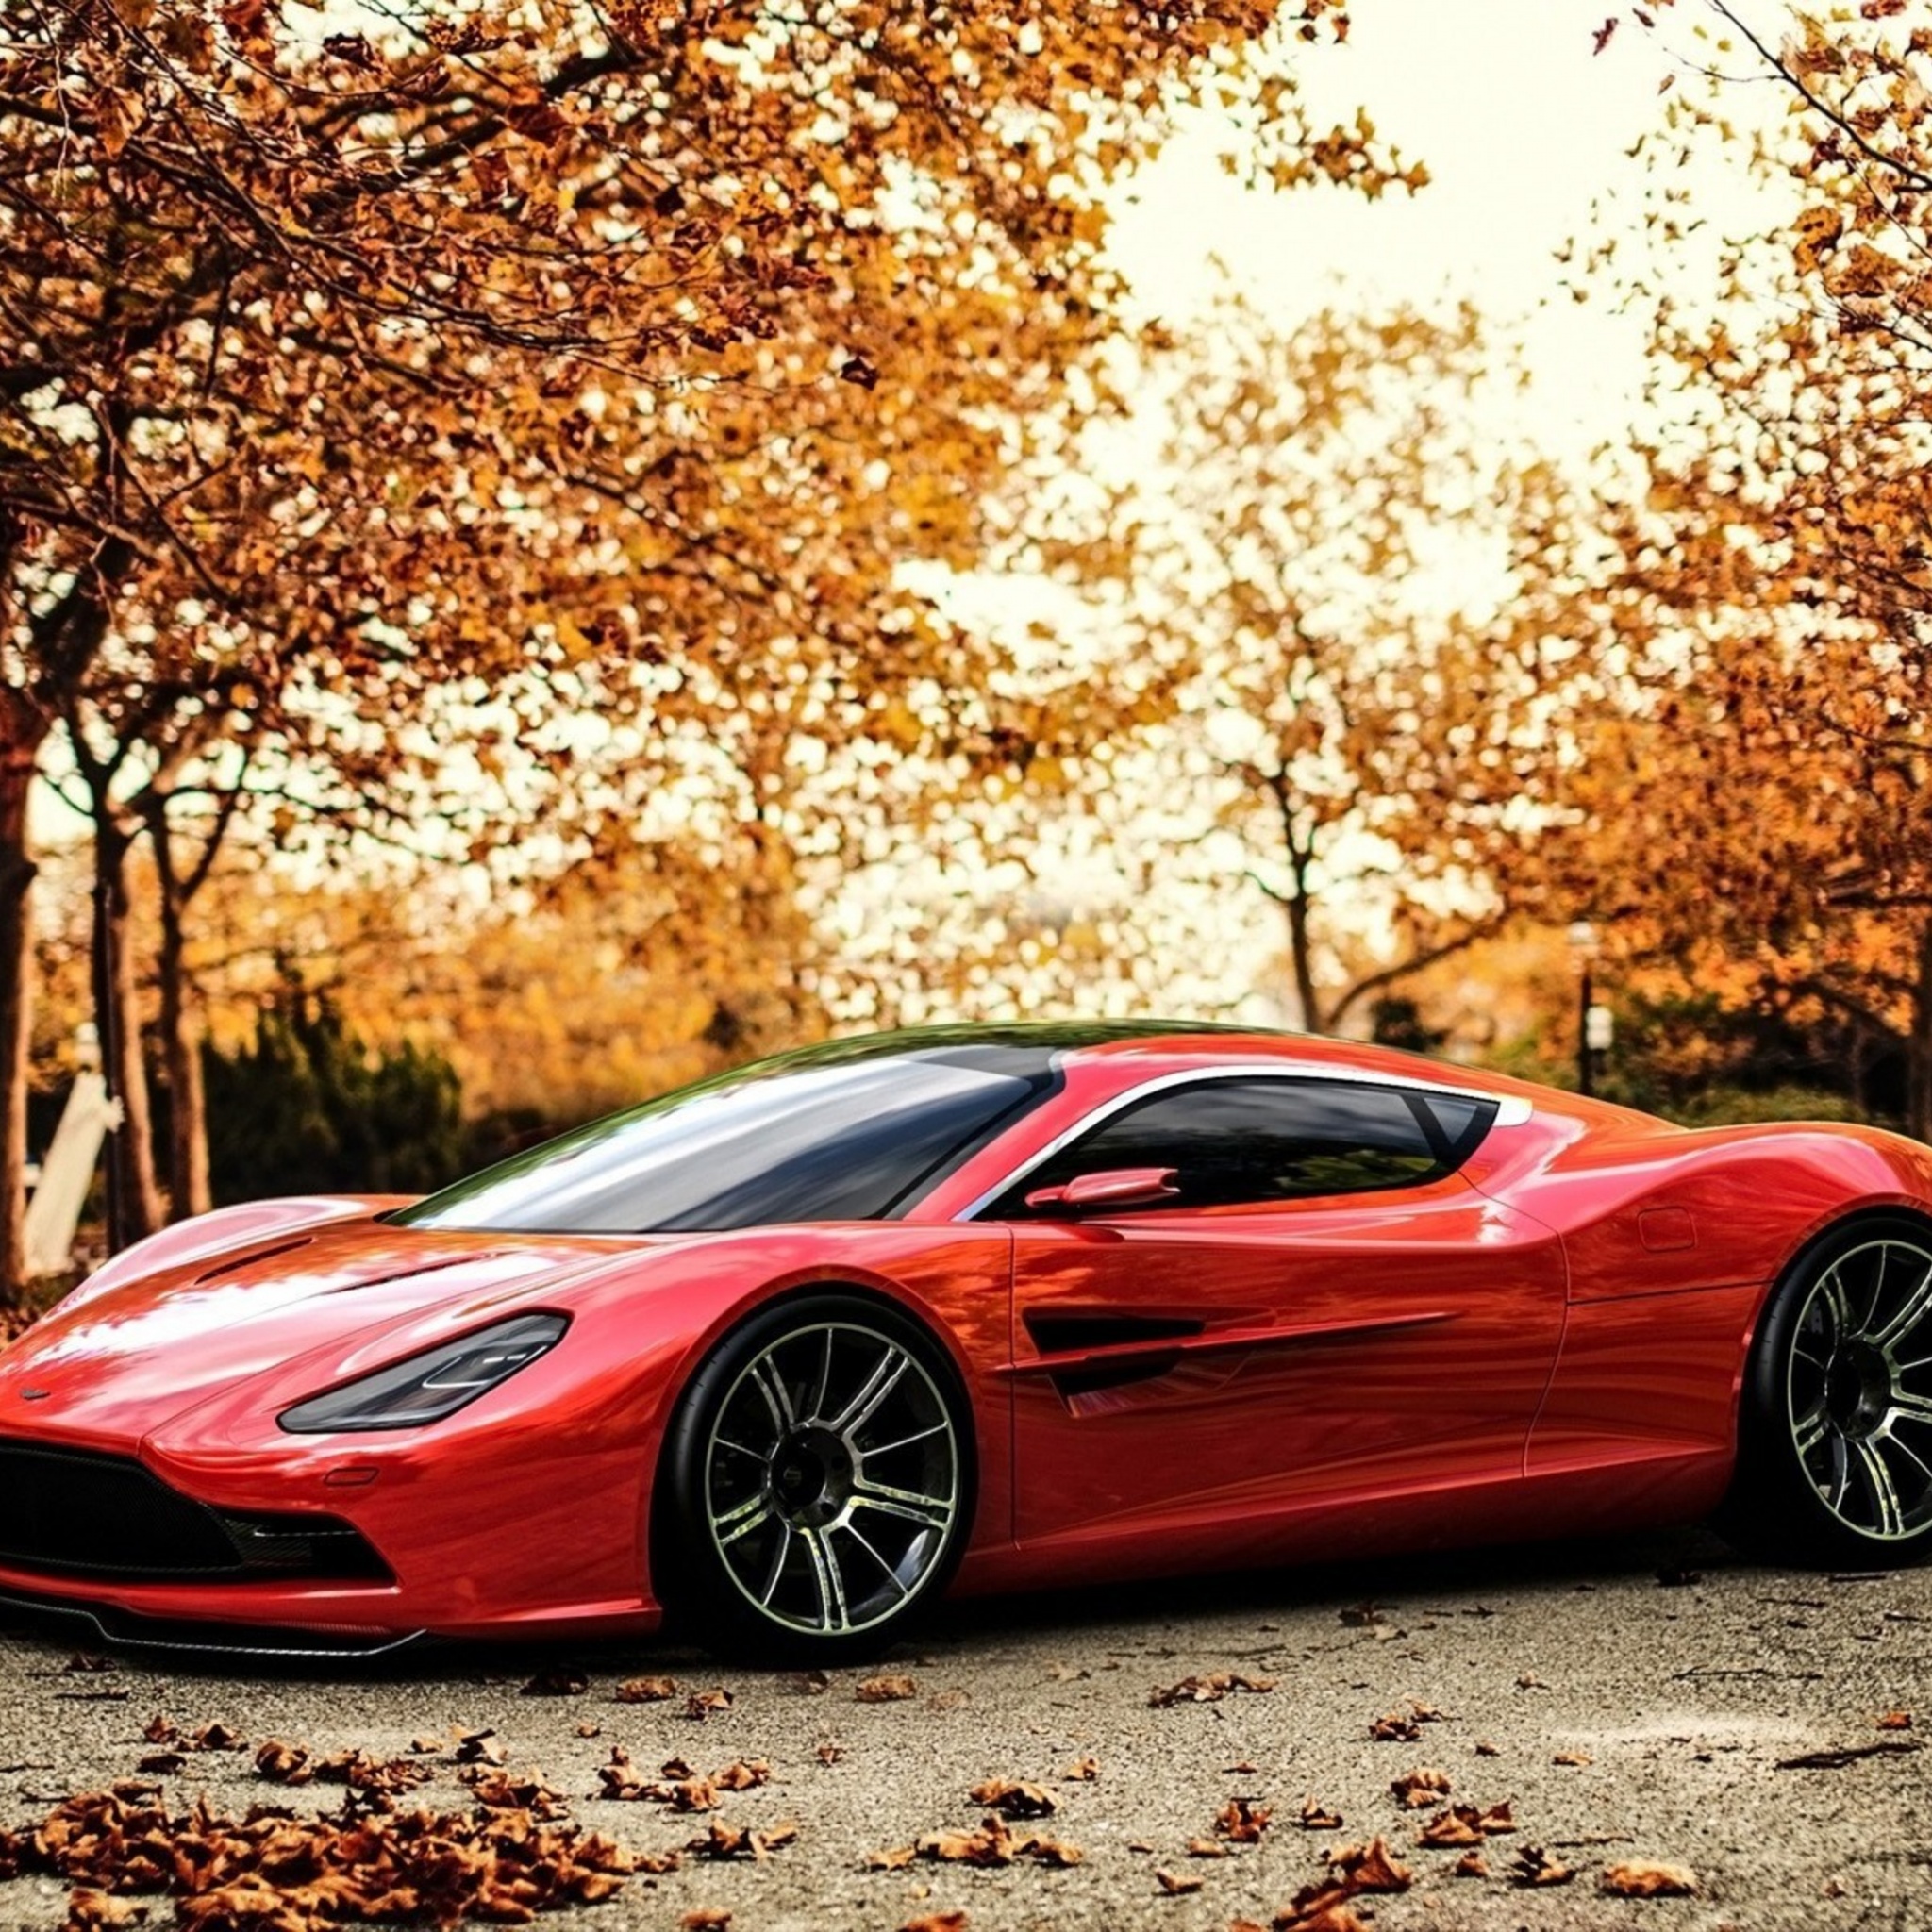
[(309, 1107)]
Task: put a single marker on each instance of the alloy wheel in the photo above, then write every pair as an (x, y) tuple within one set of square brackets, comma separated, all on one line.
[(832, 1478), (1858, 1390)]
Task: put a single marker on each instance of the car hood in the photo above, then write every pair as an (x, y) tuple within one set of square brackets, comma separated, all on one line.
[(114, 1364)]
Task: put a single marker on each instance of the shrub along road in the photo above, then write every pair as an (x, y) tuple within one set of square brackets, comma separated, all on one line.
[(1643, 1703)]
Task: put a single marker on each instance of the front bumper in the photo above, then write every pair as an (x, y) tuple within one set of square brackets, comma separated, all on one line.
[(451, 1532)]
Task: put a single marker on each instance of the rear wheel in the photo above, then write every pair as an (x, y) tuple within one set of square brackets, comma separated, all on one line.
[(1835, 1444), (818, 1482)]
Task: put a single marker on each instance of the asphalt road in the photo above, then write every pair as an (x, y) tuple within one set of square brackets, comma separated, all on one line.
[(1622, 1714)]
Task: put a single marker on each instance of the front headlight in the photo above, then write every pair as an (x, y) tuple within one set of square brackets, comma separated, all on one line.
[(425, 1388)]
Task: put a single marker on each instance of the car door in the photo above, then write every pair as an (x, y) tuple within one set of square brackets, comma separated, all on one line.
[(1324, 1313)]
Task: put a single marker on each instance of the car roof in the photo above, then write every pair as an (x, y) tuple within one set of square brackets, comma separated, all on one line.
[(1173, 1045)]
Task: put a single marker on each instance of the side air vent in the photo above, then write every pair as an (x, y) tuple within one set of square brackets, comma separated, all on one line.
[(1067, 1333)]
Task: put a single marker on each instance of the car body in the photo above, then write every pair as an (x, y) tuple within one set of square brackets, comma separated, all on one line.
[(1531, 1318)]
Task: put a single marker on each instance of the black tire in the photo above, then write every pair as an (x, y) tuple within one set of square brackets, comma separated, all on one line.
[(817, 1487), (1834, 1425)]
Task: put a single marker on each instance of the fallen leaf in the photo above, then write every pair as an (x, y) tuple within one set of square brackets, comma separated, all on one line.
[(1172, 1883), (1485, 1749), (1534, 1865), (1206, 1848), (590, 1730), (162, 1763), (1573, 1758), (284, 1764), (647, 1690), (886, 1691), (1638, 1879), (742, 1776), (1896, 1721), (894, 1861), (1447, 1829), (703, 1704), (1371, 1867), (722, 1841), (1015, 1800), (830, 1752), (706, 1919), (936, 1922), (480, 1747), (1395, 1728), (1471, 1865), (1083, 1770), (1319, 1818), (1416, 1790), (1209, 1689), (1241, 1821), (497, 1791)]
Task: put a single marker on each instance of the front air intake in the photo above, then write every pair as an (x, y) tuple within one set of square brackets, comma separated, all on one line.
[(74, 1512)]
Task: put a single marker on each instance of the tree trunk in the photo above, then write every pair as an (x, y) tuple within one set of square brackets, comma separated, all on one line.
[(1919, 1047), (1300, 960), (188, 1183), (134, 1192), (22, 731)]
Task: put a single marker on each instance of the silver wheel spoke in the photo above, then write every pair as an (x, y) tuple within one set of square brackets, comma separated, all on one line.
[(825, 1387), (1913, 1457), (934, 1511), (778, 1569), (1810, 1431), (904, 1441), (878, 1385), (1841, 1472), (1891, 1515), (864, 1542), (1910, 1312), (1906, 1407), (741, 1521), (1831, 1294), (832, 1585), (771, 1385)]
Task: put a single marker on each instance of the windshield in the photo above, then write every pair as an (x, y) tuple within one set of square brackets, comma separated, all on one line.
[(824, 1134)]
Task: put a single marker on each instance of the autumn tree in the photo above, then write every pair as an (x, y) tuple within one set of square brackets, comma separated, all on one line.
[(1354, 724), (1761, 792), (346, 350)]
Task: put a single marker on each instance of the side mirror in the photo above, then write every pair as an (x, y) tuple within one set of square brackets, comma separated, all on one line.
[(1114, 1187)]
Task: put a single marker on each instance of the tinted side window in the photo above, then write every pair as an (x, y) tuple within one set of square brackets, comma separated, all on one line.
[(1238, 1142)]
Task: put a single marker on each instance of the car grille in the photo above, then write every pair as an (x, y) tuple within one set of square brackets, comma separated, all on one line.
[(74, 1512)]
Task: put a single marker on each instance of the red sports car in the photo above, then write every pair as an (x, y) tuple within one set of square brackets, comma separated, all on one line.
[(791, 1352)]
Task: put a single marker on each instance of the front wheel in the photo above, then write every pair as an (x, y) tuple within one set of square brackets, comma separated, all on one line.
[(817, 1485), (1835, 1437)]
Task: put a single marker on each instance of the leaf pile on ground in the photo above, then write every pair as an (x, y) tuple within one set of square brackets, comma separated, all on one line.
[(272, 1872)]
